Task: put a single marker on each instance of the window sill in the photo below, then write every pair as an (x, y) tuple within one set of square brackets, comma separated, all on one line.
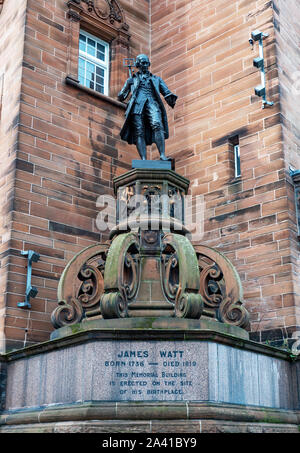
[(75, 83)]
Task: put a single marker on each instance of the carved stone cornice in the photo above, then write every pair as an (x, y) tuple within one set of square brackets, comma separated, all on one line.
[(104, 14), (74, 15), (107, 10)]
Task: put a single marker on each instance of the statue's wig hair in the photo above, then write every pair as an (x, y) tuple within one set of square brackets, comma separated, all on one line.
[(138, 59)]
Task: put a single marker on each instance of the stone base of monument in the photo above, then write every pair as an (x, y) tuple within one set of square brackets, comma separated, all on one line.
[(148, 375), (153, 164)]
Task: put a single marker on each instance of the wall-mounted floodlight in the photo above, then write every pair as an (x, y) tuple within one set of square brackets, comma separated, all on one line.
[(31, 291), (260, 91), (257, 35), (258, 62)]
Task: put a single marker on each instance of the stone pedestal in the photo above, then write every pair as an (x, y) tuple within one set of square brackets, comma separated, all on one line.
[(146, 375), (150, 335), (156, 196)]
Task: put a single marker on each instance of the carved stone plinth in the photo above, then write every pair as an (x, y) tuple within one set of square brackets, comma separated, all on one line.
[(152, 164), (149, 375), (150, 199), (150, 268)]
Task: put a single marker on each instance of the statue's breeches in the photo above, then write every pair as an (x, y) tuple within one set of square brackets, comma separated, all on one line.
[(151, 112)]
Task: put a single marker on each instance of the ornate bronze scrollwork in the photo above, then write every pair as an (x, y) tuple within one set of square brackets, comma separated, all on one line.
[(180, 276), (220, 287), (121, 278), (81, 286)]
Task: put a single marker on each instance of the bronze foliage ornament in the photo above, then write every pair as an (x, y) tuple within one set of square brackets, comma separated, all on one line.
[(81, 286), (180, 276), (220, 287), (121, 279)]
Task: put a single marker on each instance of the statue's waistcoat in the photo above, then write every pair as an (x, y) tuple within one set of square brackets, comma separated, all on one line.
[(145, 92)]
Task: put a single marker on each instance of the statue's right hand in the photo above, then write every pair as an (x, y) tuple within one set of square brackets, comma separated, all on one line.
[(130, 81)]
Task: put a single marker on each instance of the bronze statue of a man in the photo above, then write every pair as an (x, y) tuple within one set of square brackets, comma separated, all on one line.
[(146, 118)]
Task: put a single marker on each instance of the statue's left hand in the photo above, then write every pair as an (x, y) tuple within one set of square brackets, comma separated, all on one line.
[(171, 100)]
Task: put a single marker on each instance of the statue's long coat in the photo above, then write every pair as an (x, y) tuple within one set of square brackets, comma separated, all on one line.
[(159, 86)]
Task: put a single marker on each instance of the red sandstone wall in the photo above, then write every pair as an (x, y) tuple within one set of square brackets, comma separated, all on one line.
[(12, 23), (287, 33), (201, 50), (68, 152)]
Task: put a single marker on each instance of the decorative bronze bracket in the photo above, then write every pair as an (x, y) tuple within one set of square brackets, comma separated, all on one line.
[(31, 291)]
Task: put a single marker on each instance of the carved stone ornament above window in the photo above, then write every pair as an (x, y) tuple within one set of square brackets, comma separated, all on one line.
[(108, 11), (111, 11)]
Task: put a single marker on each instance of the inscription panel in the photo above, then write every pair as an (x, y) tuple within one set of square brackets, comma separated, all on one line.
[(150, 371), (112, 371)]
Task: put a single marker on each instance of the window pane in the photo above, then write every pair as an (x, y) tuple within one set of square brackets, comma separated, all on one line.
[(90, 66), (100, 80), (100, 52), (90, 79), (100, 55), (81, 63), (99, 88), (81, 75), (100, 47), (82, 43), (90, 70), (99, 71), (91, 48), (237, 161), (81, 71)]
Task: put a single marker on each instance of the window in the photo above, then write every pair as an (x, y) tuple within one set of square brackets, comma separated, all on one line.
[(237, 161), (106, 53), (93, 63), (295, 174), (234, 145)]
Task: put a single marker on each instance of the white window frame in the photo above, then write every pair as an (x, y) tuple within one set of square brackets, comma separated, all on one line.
[(237, 161), (102, 64)]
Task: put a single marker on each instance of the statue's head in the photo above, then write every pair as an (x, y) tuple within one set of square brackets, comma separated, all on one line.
[(142, 61)]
